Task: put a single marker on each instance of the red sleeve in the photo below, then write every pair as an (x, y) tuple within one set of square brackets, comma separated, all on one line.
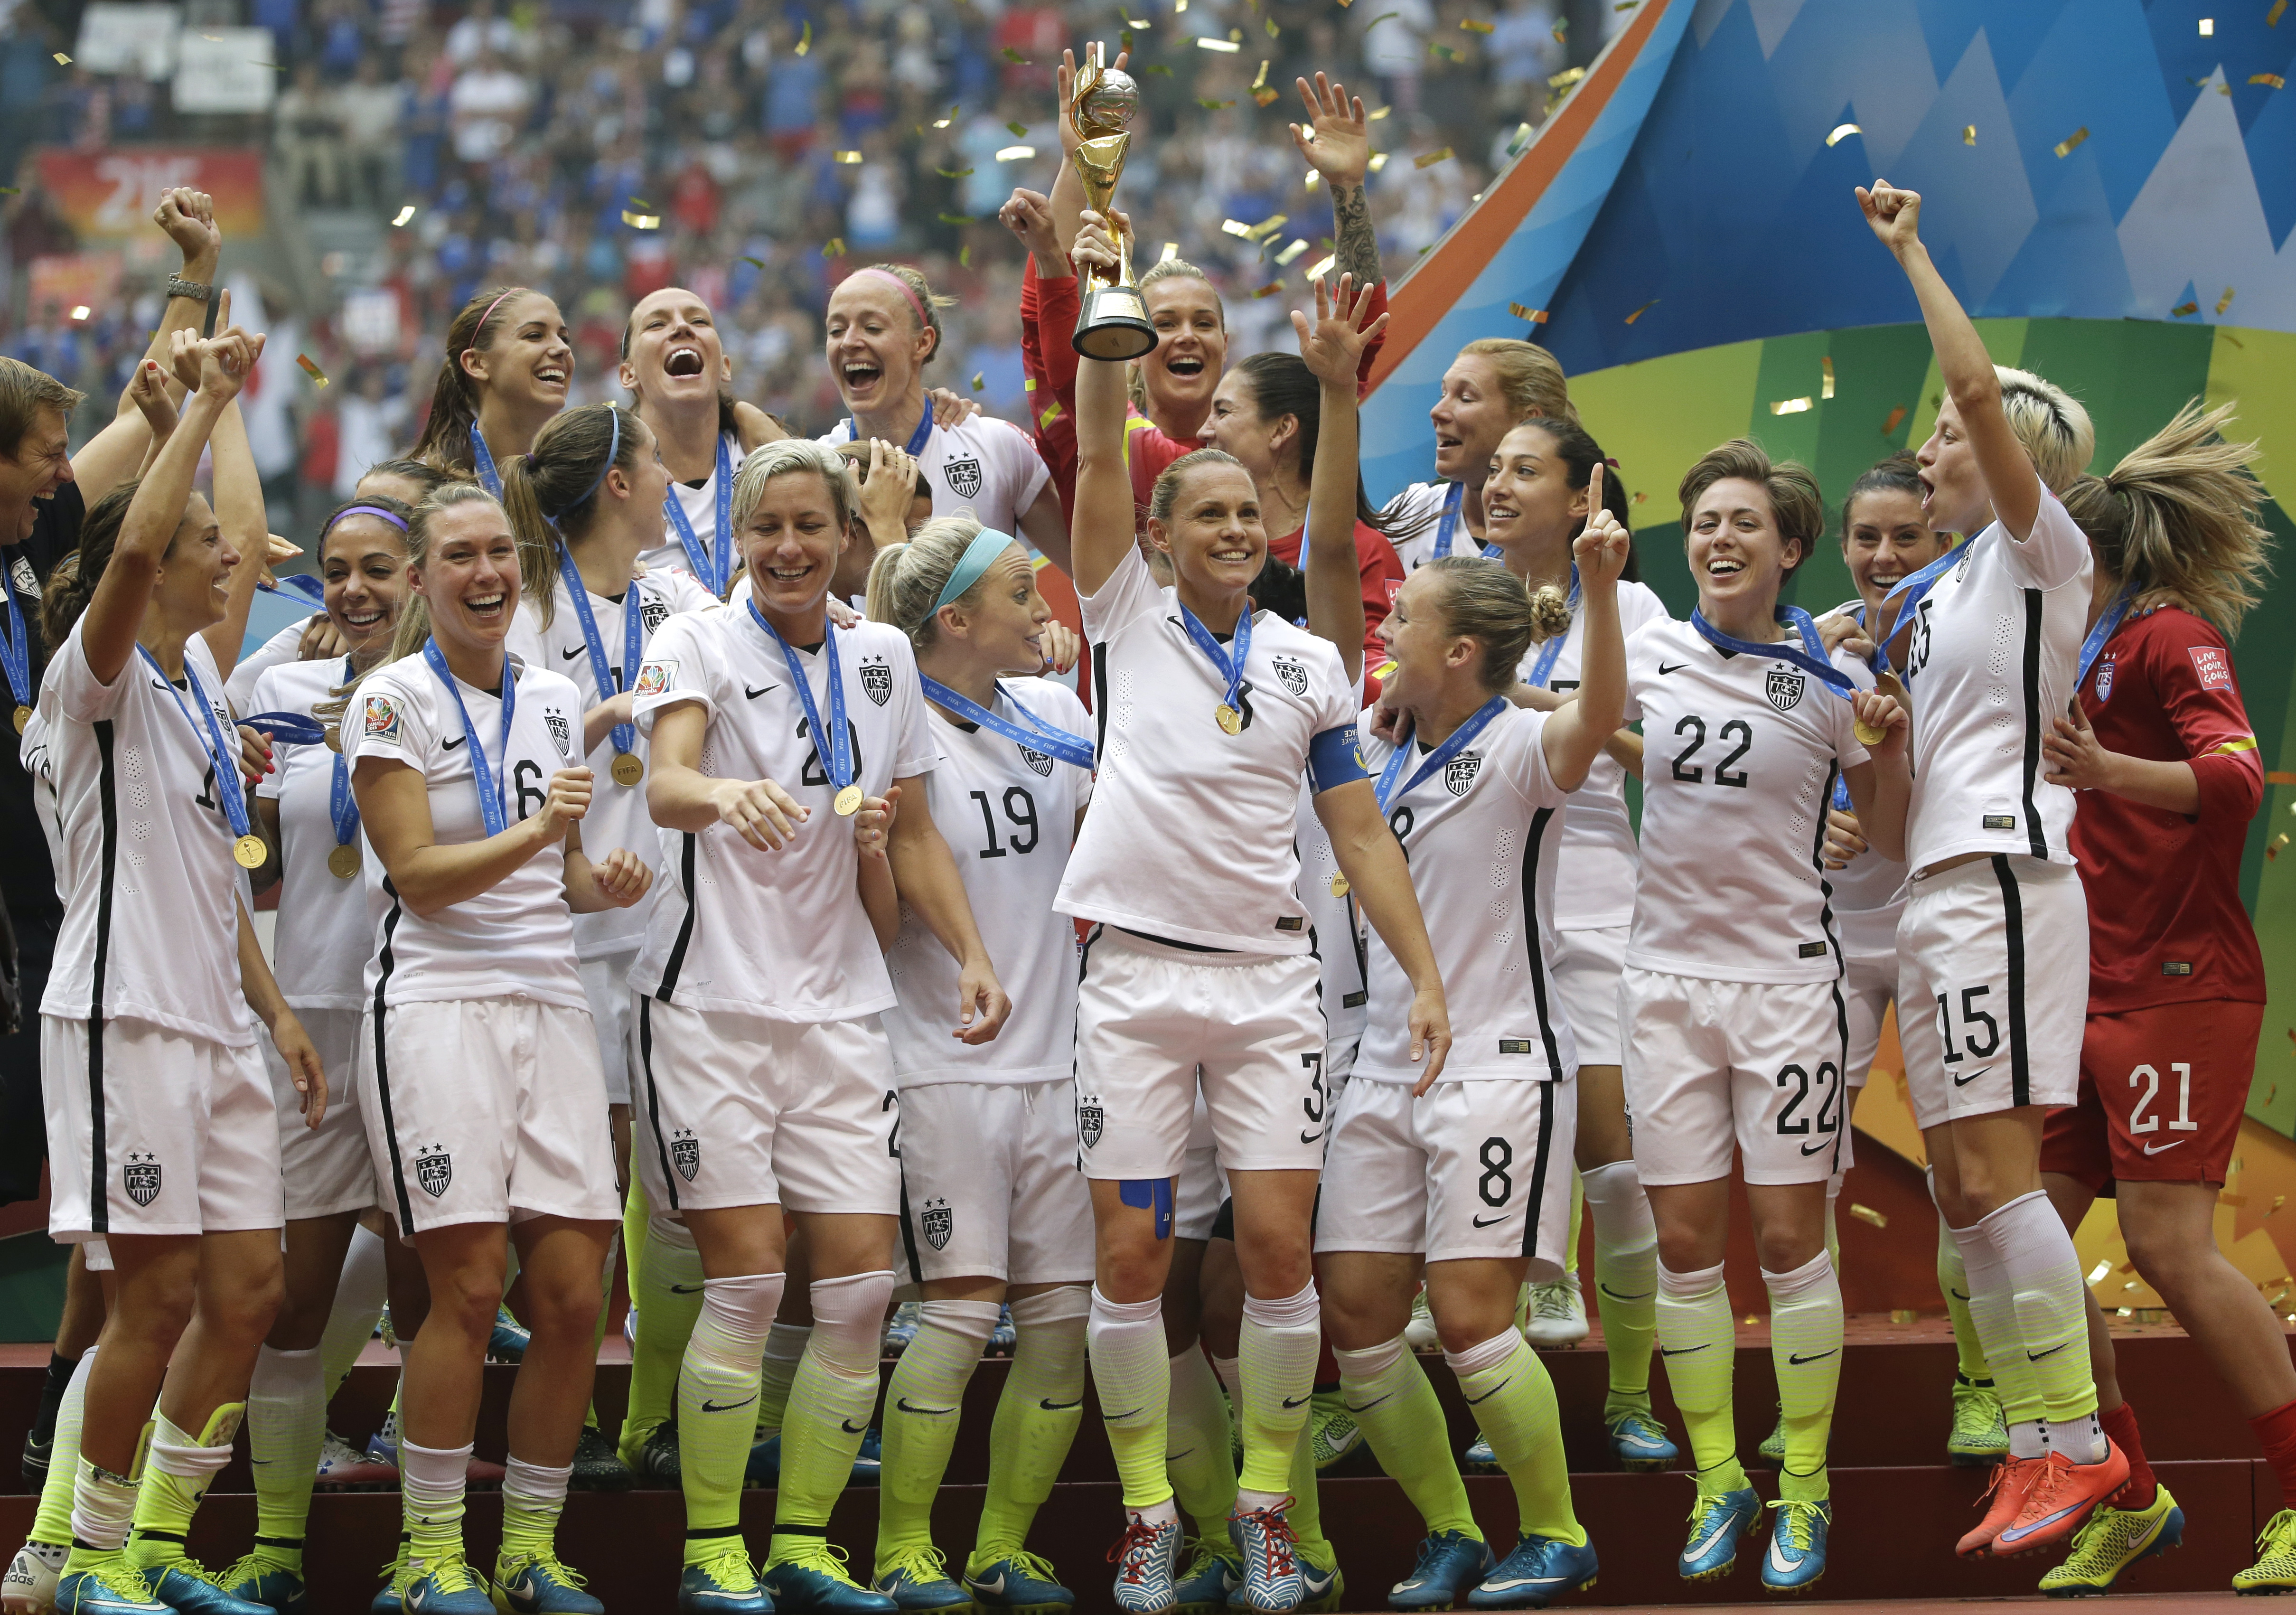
[(2192, 675), (1383, 577), (1372, 347), (1056, 318), (1052, 425)]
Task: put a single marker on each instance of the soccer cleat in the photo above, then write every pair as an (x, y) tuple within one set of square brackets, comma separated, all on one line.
[(383, 1446), (1772, 1452), (727, 1585), (1638, 1441), (2003, 1497), (446, 1586), (1478, 1459), (1271, 1562), (656, 1458), (266, 1584), (1321, 1591), (869, 1460), (813, 1577), (30, 1587), (508, 1341), (1018, 1583), (1558, 1313), (1539, 1571), (2065, 1494), (1004, 1336), (1797, 1556), (36, 1460), (343, 1468), (597, 1466), (391, 1599), (918, 1582), (901, 1328), (540, 1584), (1980, 1435), (186, 1586), (112, 1586), (2274, 1569), (2113, 1539), (1450, 1563), (1717, 1521), (764, 1469), (1144, 1557), (1332, 1428), (1420, 1334), (1214, 1570)]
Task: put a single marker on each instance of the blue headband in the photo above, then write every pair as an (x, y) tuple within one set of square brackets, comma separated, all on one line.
[(613, 453), (987, 543)]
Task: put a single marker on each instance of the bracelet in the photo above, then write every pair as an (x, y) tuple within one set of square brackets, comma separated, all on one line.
[(177, 286)]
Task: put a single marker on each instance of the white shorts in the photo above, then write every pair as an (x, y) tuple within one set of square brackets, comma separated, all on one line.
[(1756, 1062), (1467, 1169), (613, 1011), (2005, 941), (329, 1169), (486, 1110), (989, 1183), (1202, 1187), (740, 1110), (1155, 1023), (153, 1131), (1587, 967), (1340, 1061)]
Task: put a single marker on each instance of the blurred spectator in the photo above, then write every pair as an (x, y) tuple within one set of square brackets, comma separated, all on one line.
[(308, 129), (486, 107), (370, 427), (481, 33), (373, 112)]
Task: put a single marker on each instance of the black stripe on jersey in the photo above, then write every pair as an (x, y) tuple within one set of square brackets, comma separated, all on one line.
[(1084, 968), (669, 971), (2035, 838), (653, 1094), (1530, 945), (382, 1066), (1824, 886), (1537, 1198), (2013, 926), (909, 1235), (1100, 700), (1842, 1068), (99, 1204)]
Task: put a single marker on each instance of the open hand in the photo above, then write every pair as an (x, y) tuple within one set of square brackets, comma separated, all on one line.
[(1336, 139), (1332, 346)]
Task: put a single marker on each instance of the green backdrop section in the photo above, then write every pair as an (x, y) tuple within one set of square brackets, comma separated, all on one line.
[(1657, 417)]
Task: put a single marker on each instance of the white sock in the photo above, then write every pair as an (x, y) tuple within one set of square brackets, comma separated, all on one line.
[(359, 1295)]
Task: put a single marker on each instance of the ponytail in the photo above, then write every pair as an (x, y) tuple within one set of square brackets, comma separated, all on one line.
[(552, 492), (906, 579), (446, 442), (1484, 602), (72, 584)]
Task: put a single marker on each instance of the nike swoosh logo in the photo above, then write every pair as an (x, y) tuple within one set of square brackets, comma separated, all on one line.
[(1060, 1406), (1292, 1402), (448, 745), (686, 1289), (1524, 1581), (2014, 1535), (2152, 1149), (850, 1428), (1175, 1457), (1118, 1418), (1699, 1550), (761, 690), (1485, 1222), (577, 651), (1959, 1297), (905, 1406), (1368, 1407), (1963, 1082), (710, 1406), (1779, 1562), (1678, 667), (1308, 1137), (1614, 1295), (2052, 1351), (1818, 1148), (1795, 1359), (1493, 1391), (1310, 1586), (993, 1588), (1678, 1351)]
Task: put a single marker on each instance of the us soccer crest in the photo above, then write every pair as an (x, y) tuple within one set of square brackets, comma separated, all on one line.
[(1037, 760), (1460, 772), (651, 614), (685, 1153), (1783, 687), (963, 477), (1090, 1120), (939, 1222), (140, 1176), (877, 681), (2104, 681), (434, 1170), (1293, 674), (562, 733)]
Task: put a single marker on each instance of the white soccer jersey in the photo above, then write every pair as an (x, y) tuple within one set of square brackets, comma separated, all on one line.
[(284, 646), (1740, 755), (517, 937), (39, 761), (1417, 514), (1483, 836), (618, 816), (1990, 662), (1191, 831), (1009, 816), (324, 933), (781, 935), (700, 503), (150, 927), (982, 467), (1339, 939), (1869, 893)]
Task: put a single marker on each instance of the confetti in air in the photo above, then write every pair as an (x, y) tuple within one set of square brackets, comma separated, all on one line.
[(1298, 245), (964, 256), (2182, 309), (942, 123), (2225, 301), (63, 60), (1260, 82), (641, 221), (1521, 138), (1374, 117), (1790, 406), (1866, 1214), (1969, 134), (805, 39), (1016, 59), (1826, 374), (311, 370), (1274, 32), (1378, 161), (80, 311), (1017, 129), (1158, 67), (2269, 80), (958, 173), (1439, 49), (2272, 16), (848, 158), (1268, 227), (835, 248), (1472, 26), (1640, 496), (405, 214), (1536, 316), (1211, 105), (1645, 309), (1015, 153), (1229, 46), (1842, 132), (759, 262), (979, 382), (1236, 227), (958, 219), (1321, 268), (1269, 290), (1441, 154), (2064, 148)]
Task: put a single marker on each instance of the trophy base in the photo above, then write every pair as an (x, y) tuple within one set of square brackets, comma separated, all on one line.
[(1113, 325)]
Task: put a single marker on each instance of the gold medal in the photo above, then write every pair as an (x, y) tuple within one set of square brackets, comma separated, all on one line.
[(1230, 719), (1868, 734), (849, 801), (343, 861), (249, 852), (23, 716), (1886, 685), (1338, 886), (628, 769)]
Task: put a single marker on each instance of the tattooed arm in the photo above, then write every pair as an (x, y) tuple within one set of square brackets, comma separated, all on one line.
[(1337, 142)]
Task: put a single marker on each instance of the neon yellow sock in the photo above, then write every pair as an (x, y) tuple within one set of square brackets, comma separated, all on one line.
[(1700, 1343), (1037, 1419), (51, 1524), (178, 1470), (533, 1498), (1514, 1402), (1200, 1461), (1805, 1352), (1389, 1395), (1306, 1515), (923, 1404), (666, 1291), (1953, 1283), (715, 1393)]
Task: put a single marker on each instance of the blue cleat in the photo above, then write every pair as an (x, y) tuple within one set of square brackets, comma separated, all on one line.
[(918, 1582), (258, 1581), (383, 1446), (1539, 1571), (1478, 1459), (1450, 1562), (1638, 1440), (1717, 1521), (186, 1588), (445, 1587), (1018, 1583), (113, 1588), (727, 1585), (1321, 1591), (1145, 1556), (391, 1599), (1214, 1573), (539, 1584), (1004, 1336), (508, 1341), (1797, 1555), (1271, 1562), (901, 1328), (869, 1461), (815, 1578), (764, 1469)]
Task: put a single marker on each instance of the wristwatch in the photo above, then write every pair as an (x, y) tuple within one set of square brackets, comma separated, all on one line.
[(199, 292)]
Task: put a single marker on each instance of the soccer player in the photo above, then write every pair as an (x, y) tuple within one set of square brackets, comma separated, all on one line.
[(994, 1210), (2161, 749), (477, 1069), (767, 1080), (1493, 385), (1732, 1013), (509, 362), (1996, 926), (1208, 964)]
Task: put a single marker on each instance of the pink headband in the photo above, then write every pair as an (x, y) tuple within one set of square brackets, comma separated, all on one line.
[(489, 314), (924, 321)]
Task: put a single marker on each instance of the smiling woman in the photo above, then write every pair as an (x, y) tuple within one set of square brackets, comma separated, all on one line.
[(508, 364)]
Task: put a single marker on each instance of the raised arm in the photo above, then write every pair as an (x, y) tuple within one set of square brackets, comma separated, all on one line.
[(1067, 199), (1581, 727), (1336, 141), (1330, 348), (239, 512), (1103, 531)]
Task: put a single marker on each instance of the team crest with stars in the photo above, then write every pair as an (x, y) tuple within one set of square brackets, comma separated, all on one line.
[(963, 477), (434, 1168), (651, 614), (876, 679), (1460, 772), (2104, 681), (1037, 760), (685, 1153), (1784, 686), (1090, 1120), (140, 1176), (1293, 675), (562, 732), (939, 1222)]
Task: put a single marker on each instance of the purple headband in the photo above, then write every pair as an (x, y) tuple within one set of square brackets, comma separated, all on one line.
[(363, 510)]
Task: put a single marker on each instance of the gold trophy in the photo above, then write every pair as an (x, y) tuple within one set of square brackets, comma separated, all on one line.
[(1111, 321)]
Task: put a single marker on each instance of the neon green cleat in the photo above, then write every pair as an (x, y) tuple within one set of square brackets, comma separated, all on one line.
[(2113, 1539), (1332, 1428), (2274, 1569), (1772, 1452), (1979, 1436)]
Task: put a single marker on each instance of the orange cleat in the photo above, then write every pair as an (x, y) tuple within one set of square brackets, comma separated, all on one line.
[(2061, 1499), (2005, 1498)]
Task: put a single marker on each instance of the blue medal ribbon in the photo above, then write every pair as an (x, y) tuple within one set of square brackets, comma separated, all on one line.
[(1458, 741), (1809, 661), (1449, 523), (1912, 589), (482, 773), (916, 438), (2106, 627), (612, 680), (837, 755), (300, 729), (713, 566), (16, 655), (482, 463), (291, 729), (294, 583), (229, 786), (1051, 740), (1552, 650), (1231, 670)]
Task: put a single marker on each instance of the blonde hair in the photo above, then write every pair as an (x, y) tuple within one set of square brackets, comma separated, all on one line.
[(1165, 269), (1795, 503), (793, 456), (2179, 517), (927, 301), (906, 579), (1530, 378), (2056, 430), (1484, 602)]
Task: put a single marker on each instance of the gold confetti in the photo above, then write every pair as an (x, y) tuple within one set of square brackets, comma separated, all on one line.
[(1969, 134), (2208, 28), (1383, 17), (1171, 251), (1562, 31), (1378, 160), (1842, 132), (759, 262), (405, 213), (1017, 129), (1015, 58), (1321, 268), (953, 173), (1261, 81), (979, 382), (80, 311), (1268, 227), (805, 39), (2182, 309), (1439, 49), (1826, 378), (1136, 22), (13, 191), (1866, 1214), (1564, 79), (1298, 246), (1274, 32), (1211, 105), (942, 123), (1267, 97), (2223, 88), (964, 256), (2065, 147), (641, 221), (1235, 35), (1229, 46), (1519, 140), (1790, 406), (2225, 301), (1015, 153), (311, 370), (1375, 117), (1900, 1314), (1236, 227), (2271, 81), (63, 60), (1640, 496), (835, 249), (1536, 316), (641, 204), (958, 219), (1896, 416), (1646, 308), (1441, 154), (1156, 67), (848, 158), (2272, 16), (1751, 1320), (1269, 290), (1471, 26)]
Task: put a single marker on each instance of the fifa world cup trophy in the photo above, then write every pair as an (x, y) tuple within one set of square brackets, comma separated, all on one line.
[(1111, 321)]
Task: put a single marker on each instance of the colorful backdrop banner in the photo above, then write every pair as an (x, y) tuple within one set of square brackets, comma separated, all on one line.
[(110, 195)]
